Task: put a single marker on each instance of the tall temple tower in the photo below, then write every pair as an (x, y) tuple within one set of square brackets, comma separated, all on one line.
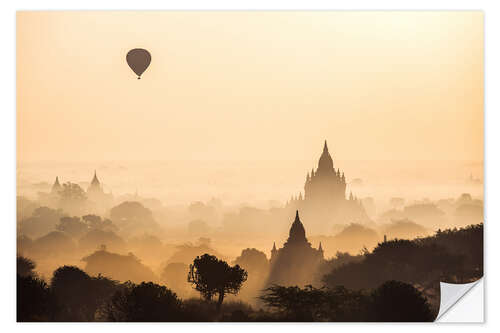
[(296, 261), (95, 186), (98, 199), (324, 202), (325, 185), (297, 233), (56, 187), (274, 252)]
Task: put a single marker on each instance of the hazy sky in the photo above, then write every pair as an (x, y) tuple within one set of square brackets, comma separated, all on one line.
[(250, 86)]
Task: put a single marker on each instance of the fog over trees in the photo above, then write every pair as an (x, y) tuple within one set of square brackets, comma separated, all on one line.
[(90, 255)]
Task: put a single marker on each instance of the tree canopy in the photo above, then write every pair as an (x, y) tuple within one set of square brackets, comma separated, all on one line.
[(211, 276)]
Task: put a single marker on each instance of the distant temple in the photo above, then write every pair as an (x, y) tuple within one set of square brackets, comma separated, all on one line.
[(296, 262), (95, 194), (95, 187), (56, 187), (324, 201)]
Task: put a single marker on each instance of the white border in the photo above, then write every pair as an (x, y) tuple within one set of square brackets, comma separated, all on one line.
[(8, 166)]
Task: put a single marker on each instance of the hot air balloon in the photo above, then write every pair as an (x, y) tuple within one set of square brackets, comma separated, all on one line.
[(138, 60)]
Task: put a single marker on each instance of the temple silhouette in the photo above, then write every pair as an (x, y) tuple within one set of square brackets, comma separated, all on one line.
[(324, 202), (297, 260), (95, 188), (56, 187), (95, 185), (94, 193)]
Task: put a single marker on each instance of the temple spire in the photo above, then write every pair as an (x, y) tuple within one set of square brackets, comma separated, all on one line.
[(57, 186), (95, 186), (274, 252), (297, 232), (95, 180), (325, 164)]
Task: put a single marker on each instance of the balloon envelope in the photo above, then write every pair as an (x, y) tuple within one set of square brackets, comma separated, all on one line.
[(138, 60)]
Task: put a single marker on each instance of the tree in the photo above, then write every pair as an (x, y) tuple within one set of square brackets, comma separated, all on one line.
[(78, 294), (257, 265), (117, 266), (131, 211), (70, 286), (211, 276), (73, 226), (72, 193), (34, 299), (313, 304), (253, 260), (450, 256), (25, 266), (72, 198), (42, 221), (132, 218), (144, 302), (396, 301), (55, 243), (97, 223)]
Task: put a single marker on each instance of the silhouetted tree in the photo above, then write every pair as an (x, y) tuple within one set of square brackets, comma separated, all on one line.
[(78, 294), (396, 301), (211, 276), (294, 303), (34, 299), (144, 302), (313, 304), (449, 255), (25, 266), (70, 286)]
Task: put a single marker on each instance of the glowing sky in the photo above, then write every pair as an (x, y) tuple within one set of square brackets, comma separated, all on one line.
[(250, 85)]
